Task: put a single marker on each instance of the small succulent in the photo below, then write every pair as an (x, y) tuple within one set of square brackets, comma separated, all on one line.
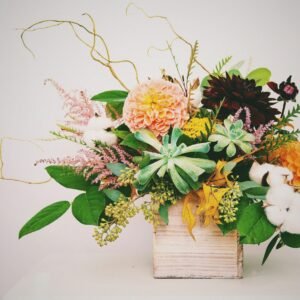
[(171, 159), (231, 135)]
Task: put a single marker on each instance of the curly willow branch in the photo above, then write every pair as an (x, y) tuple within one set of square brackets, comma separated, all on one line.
[(106, 59), (2, 177), (171, 28)]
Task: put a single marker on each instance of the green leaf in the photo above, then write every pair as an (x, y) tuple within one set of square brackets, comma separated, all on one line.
[(97, 203), (45, 217), (116, 168), (229, 166), (246, 185), (146, 136), (142, 161), (227, 227), (234, 72), (113, 195), (164, 212), (194, 185), (291, 240), (131, 142), (204, 82), (270, 248), (257, 192), (122, 134), (67, 177), (111, 96), (87, 208), (253, 225), (260, 75)]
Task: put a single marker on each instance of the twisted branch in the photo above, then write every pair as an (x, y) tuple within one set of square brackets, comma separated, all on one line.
[(105, 60), (3, 177), (165, 19)]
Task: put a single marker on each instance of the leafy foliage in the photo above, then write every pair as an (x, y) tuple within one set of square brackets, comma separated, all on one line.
[(45, 217), (88, 207), (220, 65), (253, 225), (270, 248), (67, 177), (278, 136), (260, 75)]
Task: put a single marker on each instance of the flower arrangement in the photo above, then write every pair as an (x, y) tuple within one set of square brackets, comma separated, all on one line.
[(222, 142)]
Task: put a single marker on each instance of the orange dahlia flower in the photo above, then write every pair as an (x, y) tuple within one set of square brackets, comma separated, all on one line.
[(289, 156), (156, 105)]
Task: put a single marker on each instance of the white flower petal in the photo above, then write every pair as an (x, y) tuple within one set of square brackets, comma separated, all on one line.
[(292, 222), (98, 123), (258, 171), (276, 215), (90, 136), (281, 195), (279, 175)]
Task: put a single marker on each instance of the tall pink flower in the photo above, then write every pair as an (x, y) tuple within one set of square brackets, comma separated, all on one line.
[(156, 105)]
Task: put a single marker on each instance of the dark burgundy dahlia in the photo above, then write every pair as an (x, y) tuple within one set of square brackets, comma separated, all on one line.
[(237, 93)]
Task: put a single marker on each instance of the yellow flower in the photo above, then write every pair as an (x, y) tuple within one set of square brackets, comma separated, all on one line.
[(195, 126), (289, 156)]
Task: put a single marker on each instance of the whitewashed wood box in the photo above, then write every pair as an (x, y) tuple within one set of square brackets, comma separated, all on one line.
[(211, 255)]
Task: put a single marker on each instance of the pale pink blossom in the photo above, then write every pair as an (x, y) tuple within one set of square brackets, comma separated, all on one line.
[(156, 105), (93, 164)]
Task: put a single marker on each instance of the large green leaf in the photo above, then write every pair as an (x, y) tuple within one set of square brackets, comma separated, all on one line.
[(114, 101), (111, 96), (260, 75), (45, 217), (97, 202), (87, 208), (291, 240), (67, 177), (270, 248), (164, 212), (112, 194), (257, 192), (253, 225), (234, 72), (131, 142)]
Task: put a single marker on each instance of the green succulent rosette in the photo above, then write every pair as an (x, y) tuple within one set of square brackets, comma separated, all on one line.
[(173, 159), (231, 135)]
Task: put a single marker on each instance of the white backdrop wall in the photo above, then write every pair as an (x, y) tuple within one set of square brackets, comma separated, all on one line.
[(264, 33)]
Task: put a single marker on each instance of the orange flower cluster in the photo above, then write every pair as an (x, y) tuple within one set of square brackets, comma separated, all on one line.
[(289, 156)]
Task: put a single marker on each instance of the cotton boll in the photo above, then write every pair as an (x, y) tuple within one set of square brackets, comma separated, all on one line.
[(98, 123), (292, 221), (108, 138), (276, 215), (257, 171), (279, 175), (281, 195)]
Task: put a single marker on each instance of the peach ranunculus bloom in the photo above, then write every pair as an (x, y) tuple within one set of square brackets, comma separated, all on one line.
[(156, 105)]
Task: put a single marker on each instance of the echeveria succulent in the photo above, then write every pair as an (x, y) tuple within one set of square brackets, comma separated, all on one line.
[(231, 135), (171, 158)]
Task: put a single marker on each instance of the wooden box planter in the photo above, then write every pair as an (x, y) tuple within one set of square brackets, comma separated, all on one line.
[(212, 255)]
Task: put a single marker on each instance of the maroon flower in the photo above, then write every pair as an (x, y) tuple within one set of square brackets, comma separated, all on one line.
[(238, 93), (286, 90)]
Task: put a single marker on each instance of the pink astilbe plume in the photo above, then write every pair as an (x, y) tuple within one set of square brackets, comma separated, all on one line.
[(79, 108), (257, 132), (92, 164)]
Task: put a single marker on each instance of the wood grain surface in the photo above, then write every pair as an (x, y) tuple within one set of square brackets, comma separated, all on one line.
[(211, 255)]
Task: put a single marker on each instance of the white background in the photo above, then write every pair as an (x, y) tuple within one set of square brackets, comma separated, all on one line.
[(63, 261)]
